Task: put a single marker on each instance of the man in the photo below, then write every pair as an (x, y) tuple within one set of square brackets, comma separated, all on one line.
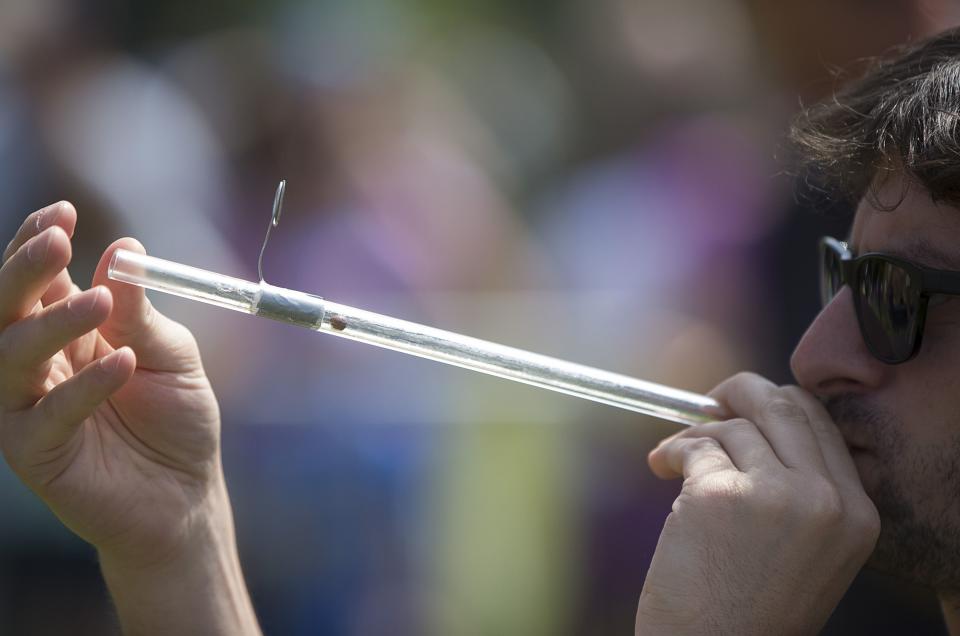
[(106, 413), (782, 505)]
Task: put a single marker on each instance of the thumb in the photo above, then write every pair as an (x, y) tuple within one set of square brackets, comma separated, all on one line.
[(160, 343)]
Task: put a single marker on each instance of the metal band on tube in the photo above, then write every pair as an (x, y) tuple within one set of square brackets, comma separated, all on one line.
[(289, 306)]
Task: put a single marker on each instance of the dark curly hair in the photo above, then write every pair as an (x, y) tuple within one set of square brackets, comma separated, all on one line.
[(902, 115)]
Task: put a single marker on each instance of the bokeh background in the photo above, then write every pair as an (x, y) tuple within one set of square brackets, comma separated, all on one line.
[(600, 180)]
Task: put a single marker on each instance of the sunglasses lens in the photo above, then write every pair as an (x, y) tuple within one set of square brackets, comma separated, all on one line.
[(830, 274), (888, 301)]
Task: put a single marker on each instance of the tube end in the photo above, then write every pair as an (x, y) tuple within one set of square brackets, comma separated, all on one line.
[(112, 265), (128, 267)]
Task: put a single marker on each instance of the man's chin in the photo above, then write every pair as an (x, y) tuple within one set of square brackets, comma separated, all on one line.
[(905, 549), (887, 563)]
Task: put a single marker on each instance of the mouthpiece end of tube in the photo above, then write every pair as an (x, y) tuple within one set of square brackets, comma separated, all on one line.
[(124, 267)]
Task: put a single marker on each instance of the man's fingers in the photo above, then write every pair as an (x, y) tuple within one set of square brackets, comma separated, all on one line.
[(56, 417), (832, 444), (688, 457), (27, 345), (61, 287), (743, 446), (781, 420), (161, 344), (28, 273), (62, 214)]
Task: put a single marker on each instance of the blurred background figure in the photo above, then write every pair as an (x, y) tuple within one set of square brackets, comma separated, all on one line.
[(597, 180)]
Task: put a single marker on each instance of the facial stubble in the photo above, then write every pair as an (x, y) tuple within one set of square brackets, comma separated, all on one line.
[(914, 488)]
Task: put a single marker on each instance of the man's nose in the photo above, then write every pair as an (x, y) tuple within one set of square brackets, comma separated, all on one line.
[(831, 357)]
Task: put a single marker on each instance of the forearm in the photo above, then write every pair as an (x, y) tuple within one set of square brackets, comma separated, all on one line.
[(200, 590)]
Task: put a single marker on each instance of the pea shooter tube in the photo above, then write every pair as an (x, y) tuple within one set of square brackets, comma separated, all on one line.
[(315, 313)]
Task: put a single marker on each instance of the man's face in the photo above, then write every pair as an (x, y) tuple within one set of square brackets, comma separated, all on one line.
[(901, 422)]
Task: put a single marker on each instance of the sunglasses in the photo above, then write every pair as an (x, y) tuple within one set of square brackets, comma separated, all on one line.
[(890, 296)]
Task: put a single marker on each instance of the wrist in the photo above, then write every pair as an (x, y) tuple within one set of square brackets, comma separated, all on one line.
[(176, 531), (199, 574)]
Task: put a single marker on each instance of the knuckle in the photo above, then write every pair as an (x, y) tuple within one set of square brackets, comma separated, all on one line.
[(784, 409), (724, 491), (782, 504), (794, 391), (773, 502), (732, 381), (742, 377), (697, 445), (740, 424), (749, 377), (825, 428), (828, 508), (864, 526)]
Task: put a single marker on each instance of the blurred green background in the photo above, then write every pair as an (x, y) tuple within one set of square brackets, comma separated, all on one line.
[(600, 180)]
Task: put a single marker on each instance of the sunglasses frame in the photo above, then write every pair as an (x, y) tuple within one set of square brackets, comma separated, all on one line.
[(932, 281)]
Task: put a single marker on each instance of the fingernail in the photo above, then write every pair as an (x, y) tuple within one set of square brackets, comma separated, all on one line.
[(38, 247), (82, 304)]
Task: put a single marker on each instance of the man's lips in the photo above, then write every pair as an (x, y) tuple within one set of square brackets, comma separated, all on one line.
[(854, 445), (854, 448)]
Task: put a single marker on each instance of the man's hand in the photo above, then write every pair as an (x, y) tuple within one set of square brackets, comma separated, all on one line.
[(106, 413), (771, 525)]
